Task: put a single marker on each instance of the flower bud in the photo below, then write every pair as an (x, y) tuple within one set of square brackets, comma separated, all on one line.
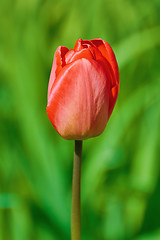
[(83, 89)]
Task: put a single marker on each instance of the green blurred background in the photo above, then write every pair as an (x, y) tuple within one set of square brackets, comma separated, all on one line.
[(121, 168)]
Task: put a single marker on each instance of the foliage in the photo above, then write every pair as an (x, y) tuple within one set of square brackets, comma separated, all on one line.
[(120, 172)]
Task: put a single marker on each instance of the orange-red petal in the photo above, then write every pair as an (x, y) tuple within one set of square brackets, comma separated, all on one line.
[(83, 53), (78, 104), (58, 63), (108, 53)]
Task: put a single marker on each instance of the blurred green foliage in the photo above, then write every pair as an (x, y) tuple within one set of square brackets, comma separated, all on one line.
[(121, 168)]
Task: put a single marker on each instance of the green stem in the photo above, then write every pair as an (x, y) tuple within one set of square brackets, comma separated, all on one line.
[(76, 193)]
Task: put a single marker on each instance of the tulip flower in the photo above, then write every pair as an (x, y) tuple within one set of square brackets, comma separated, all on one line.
[(83, 89), (82, 92)]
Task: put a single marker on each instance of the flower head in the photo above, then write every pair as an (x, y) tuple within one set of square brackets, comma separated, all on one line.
[(83, 89)]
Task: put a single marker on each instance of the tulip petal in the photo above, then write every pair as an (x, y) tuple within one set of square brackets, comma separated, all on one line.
[(78, 45), (69, 55), (108, 53), (112, 99), (84, 53), (109, 71), (58, 63), (78, 105), (87, 43), (81, 44), (104, 62)]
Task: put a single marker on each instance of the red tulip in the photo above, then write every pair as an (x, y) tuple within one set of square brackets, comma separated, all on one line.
[(83, 88)]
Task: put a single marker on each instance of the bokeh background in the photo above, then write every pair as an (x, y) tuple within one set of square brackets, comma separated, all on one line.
[(121, 168)]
